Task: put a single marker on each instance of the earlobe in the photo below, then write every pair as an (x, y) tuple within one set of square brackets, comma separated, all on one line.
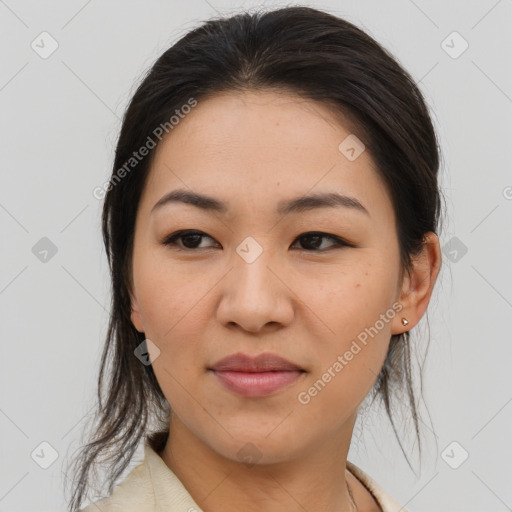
[(135, 314), (418, 284)]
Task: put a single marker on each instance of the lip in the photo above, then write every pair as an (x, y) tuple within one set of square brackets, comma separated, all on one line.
[(265, 362), (258, 376)]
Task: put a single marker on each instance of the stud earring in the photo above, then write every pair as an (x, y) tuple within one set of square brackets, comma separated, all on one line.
[(404, 321)]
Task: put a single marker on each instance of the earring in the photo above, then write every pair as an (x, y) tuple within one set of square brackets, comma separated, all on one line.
[(404, 321)]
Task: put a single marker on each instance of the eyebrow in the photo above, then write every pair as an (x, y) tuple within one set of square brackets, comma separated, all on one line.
[(296, 205)]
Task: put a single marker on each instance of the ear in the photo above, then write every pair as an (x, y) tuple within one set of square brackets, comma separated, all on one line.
[(135, 314), (418, 284)]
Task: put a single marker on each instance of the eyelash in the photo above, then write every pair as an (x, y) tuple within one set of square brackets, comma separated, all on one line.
[(171, 240)]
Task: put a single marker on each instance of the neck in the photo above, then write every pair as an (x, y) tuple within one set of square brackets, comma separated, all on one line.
[(316, 481)]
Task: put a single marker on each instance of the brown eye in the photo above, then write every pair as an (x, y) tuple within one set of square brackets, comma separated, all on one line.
[(190, 239), (313, 241)]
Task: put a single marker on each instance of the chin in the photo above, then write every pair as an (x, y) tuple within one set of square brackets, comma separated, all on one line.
[(257, 448)]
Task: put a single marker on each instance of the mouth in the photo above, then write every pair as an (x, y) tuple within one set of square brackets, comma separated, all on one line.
[(259, 376)]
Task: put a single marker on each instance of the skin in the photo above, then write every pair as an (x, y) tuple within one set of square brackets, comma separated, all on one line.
[(303, 302)]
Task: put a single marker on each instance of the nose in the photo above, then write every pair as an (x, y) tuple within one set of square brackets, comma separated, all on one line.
[(256, 296)]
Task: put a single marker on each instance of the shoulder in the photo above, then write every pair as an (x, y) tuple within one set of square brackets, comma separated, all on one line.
[(385, 501), (134, 494), (149, 487)]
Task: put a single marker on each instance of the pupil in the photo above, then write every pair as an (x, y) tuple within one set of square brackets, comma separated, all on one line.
[(314, 240), (193, 236)]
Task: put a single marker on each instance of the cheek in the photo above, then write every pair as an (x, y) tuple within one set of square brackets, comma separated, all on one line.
[(356, 312), (347, 365), (351, 299), (169, 295), (171, 312)]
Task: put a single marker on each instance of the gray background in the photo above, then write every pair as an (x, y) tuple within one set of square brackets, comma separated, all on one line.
[(59, 123)]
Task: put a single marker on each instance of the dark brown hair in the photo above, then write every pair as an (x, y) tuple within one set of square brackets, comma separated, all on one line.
[(298, 50)]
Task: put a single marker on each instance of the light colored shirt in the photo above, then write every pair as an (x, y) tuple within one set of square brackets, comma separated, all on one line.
[(152, 486)]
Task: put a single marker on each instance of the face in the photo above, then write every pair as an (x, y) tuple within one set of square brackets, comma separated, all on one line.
[(317, 285)]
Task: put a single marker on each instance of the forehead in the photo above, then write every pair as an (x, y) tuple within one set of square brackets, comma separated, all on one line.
[(256, 147)]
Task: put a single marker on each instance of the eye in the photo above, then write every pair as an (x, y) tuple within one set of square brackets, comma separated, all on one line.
[(190, 238), (311, 241), (314, 239)]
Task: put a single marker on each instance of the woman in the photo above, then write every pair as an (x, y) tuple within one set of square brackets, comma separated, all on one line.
[(270, 225)]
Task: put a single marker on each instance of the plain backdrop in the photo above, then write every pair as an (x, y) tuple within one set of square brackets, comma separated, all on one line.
[(60, 116)]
